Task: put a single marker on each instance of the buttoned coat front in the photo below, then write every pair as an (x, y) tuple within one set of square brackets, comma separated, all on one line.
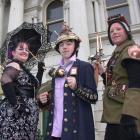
[(77, 118)]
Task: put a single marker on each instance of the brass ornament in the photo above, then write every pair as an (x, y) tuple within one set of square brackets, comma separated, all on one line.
[(59, 72), (73, 71)]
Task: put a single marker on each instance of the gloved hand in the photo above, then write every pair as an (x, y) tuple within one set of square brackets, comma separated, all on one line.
[(41, 66), (16, 102), (41, 69), (129, 127), (127, 120)]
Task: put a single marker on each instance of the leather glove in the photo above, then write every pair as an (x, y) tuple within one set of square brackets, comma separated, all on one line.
[(127, 120), (129, 127), (16, 102), (41, 66), (41, 69)]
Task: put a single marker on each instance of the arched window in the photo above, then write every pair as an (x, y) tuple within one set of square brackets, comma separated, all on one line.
[(54, 19), (118, 7)]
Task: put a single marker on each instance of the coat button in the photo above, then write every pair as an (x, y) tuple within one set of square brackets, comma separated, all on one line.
[(73, 95), (65, 110), (65, 120), (74, 131), (66, 85), (65, 94), (65, 129), (48, 133), (50, 124)]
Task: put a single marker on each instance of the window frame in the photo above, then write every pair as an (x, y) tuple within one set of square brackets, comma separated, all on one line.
[(48, 23), (116, 6)]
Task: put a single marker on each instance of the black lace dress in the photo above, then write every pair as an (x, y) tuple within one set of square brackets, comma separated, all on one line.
[(15, 125)]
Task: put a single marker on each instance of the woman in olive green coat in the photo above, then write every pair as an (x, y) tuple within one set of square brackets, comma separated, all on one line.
[(121, 98)]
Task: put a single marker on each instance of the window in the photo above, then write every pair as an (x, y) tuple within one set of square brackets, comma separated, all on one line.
[(118, 7), (115, 2), (54, 20), (93, 4)]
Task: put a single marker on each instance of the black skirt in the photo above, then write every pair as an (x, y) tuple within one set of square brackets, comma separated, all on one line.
[(15, 126)]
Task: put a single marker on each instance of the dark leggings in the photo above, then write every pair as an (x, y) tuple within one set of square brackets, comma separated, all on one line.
[(116, 132)]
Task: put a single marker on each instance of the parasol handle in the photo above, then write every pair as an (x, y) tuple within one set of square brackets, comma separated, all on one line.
[(56, 32), (96, 72), (36, 58)]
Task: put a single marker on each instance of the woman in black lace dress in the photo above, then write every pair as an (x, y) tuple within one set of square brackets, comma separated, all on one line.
[(19, 112)]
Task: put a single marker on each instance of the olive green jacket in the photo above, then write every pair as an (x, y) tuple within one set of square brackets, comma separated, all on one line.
[(118, 99)]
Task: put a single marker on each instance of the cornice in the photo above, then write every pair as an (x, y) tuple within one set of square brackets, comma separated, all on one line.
[(37, 7)]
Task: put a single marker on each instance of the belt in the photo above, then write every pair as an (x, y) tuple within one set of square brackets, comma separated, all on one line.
[(117, 89), (25, 92)]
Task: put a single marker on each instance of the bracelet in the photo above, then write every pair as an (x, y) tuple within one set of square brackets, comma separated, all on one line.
[(17, 106)]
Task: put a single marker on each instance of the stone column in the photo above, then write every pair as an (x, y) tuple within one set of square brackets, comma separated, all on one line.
[(78, 21), (134, 11), (1, 19), (103, 19), (97, 16), (137, 11), (16, 14), (67, 11)]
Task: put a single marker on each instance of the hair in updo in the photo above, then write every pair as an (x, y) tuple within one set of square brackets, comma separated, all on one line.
[(13, 45)]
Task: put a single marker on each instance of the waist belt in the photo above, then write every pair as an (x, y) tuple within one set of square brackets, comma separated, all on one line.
[(117, 89), (25, 92)]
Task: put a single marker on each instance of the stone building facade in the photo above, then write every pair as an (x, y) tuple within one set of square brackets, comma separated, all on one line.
[(87, 18)]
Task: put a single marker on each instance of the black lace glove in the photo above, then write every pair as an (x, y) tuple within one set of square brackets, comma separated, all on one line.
[(17, 103), (41, 69), (129, 127), (41, 66), (10, 93)]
